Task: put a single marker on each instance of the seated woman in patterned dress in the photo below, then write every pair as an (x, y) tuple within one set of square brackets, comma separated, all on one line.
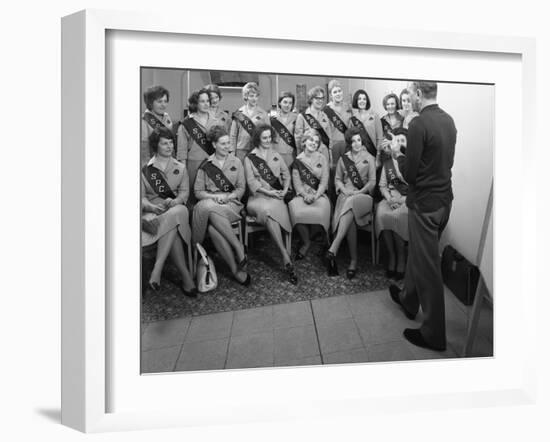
[(165, 219), (391, 220), (354, 181), (219, 187), (268, 180), (311, 205)]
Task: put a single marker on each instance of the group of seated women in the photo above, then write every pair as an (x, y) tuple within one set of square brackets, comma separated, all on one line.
[(309, 171)]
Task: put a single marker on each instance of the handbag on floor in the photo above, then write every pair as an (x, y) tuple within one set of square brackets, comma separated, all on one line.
[(459, 274), (207, 279)]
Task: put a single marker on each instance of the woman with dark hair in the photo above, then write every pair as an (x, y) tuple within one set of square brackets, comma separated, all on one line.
[(222, 116), (165, 219), (193, 144), (406, 111), (219, 187), (392, 119), (367, 121), (268, 180), (283, 123), (311, 205), (355, 180), (339, 115), (155, 117), (391, 220), (314, 118), (245, 120)]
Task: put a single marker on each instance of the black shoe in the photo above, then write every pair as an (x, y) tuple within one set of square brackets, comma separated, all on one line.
[(155, 286), (394, 294), (399, 276), (193, 293), (241, 266), (414, 336), (298, 256), (350, 273), (332, 268), (246, 282), (390, 273), (292, 277)]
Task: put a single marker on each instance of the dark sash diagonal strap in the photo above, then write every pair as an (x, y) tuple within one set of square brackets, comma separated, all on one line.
[(353, 173), (198, 135), (155, 178), (218, 177), (154, 122), (393, 179), (306, 175), (265, 171), (367, 140), (314, 124), (335, 119), (283, 132), (246, 122)]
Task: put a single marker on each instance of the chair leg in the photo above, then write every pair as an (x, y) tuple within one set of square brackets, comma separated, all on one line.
[(373, 245), (190, 260)]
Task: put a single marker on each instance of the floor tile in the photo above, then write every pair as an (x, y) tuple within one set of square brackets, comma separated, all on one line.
[(164, 333), (252, 350), (366, 303), (252, 320), (482, 347), (203, 355), (292, 315), (159, 360), (338, 336), (295, 343), (331, 309), (348, 356), (311, 360), (424, 353), (382, 327), (390, 351), (208, 327)]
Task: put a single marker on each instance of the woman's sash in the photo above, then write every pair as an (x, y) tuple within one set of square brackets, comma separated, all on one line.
[(353, 173), (314, 124), (155, 178), (246, 122), (306, 175), (154, 122), (265, 171), (283, 132), (335, 119), (218, 177), (367, 140), (393, 179), (198, 135)]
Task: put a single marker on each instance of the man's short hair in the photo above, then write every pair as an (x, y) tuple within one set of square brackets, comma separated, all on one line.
[(428, 88)]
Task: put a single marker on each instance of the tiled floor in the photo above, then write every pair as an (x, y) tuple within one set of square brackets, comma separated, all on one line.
[(350, 328)]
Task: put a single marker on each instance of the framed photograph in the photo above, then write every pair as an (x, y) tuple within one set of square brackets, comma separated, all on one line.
[(137, 337)]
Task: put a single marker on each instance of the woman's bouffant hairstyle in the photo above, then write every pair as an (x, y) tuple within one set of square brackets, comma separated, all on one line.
[(157, 134), (194, 99), (350, 133), (310, 134), (388, 97), (250, 87), (286, 95), (213, 89), (313, 92), (154, 93), (216, 132), (258, 130), (334, 83), (355, 99)]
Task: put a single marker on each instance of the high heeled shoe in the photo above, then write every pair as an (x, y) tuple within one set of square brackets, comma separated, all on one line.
[(350, 273), (332, 268), (292, 277), (155, 286), (241, 266), (246, 282), (193, 293)]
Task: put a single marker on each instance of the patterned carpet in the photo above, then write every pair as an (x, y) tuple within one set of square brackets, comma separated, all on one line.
[(269, 284)]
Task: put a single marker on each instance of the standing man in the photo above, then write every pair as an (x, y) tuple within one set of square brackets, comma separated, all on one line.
[(427, 169)]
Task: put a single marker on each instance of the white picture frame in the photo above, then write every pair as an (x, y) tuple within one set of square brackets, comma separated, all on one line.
[(86, 313)]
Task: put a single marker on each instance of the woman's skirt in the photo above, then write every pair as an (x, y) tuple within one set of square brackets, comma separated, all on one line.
[(316, 213), (395, 220), (177, 216), (263, 207), (201, 213), (360, 205)]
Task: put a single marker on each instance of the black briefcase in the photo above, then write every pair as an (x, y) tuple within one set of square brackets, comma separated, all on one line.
[(459, 274)]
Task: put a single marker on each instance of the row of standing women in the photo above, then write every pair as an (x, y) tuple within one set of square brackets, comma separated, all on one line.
[(329, 148)]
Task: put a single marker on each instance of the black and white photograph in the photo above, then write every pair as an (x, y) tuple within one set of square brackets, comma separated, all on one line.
[(293, 220)]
